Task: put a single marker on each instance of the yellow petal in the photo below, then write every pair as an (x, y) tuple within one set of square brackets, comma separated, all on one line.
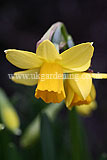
[(47, 51), (83, 67), (50, 86), (93, 92), (79, 101), (66, 70), (28, 77), (23, 59), (81, 83), (99, 75), (78, 57), (86, 110), (79, 69), (68, 92)]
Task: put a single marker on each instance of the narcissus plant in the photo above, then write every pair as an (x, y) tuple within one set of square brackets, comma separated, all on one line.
[(47, 61)]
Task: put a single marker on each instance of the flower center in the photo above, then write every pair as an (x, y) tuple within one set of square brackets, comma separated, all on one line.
[(50, 85)]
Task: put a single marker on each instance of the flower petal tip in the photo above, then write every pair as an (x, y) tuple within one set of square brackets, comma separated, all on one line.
[(17, 132), (5, 51), (92, 43), (8, 50), (2, 126)]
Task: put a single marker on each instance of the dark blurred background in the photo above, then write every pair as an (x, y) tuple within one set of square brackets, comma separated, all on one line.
[(22, 24)]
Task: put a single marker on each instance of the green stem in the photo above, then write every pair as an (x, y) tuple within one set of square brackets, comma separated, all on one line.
[(79, 145)]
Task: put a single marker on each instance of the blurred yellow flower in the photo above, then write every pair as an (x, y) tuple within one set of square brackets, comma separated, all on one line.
[(11, 119), (79, 88), (8, 114), (47, 61)]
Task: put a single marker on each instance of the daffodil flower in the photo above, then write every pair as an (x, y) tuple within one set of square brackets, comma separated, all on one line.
[(79, 88), (11, 119), (47, 61), (8, 114)]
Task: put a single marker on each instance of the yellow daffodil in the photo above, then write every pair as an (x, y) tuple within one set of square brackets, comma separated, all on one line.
[(8, 114), (11, 119), (47, 61), (79, 88)]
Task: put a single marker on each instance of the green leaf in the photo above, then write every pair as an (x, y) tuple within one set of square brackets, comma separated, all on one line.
[(47, 140), (79, 145), (12, 153), (32, 132), (4, 141)]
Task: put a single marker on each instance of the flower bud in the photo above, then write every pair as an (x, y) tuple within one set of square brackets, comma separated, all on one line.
[(8, 114), (49, 34)]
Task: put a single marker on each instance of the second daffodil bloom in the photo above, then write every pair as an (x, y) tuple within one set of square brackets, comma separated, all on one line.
[(80, 90), (47, 62)]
